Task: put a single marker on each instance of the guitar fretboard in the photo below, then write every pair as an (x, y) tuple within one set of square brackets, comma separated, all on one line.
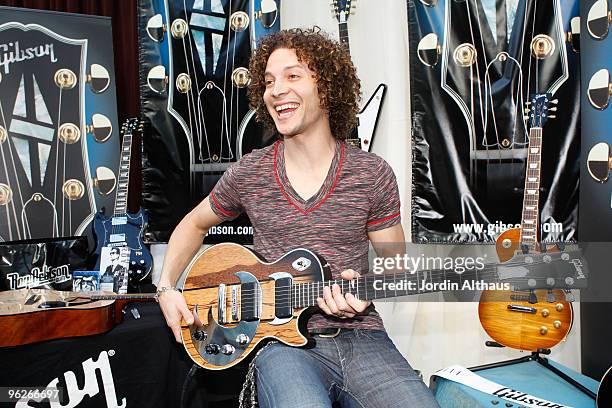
[(531, 195), (125, 296), (344, 36), (123, 176), (372, 286)]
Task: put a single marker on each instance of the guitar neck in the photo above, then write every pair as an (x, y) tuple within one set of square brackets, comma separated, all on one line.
[(123, 178), (130, 297), (344, 35), (372, 286), (531, 195)]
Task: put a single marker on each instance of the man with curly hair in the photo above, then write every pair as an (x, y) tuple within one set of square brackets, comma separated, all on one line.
[(311, 190)]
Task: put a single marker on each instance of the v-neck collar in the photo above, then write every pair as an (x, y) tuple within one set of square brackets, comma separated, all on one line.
[(314, 202)]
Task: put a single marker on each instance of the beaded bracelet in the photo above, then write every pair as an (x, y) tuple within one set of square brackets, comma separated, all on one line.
[(163, 289)]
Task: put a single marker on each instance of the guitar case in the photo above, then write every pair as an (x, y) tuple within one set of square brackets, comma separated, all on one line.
[(42, 263)]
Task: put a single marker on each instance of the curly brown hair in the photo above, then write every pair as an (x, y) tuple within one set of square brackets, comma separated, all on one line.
[(336, 76)]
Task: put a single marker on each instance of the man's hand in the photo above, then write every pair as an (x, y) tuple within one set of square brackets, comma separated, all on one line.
[(346, 306), (174, 307)]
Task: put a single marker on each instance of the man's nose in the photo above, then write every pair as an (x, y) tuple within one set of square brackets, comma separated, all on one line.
[(279, 88)]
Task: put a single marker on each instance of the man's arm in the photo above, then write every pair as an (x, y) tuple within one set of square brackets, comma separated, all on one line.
[(184, 243), (387, 242)]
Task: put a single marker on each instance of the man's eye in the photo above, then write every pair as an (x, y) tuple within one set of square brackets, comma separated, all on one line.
[(294, 76), (269, 82)]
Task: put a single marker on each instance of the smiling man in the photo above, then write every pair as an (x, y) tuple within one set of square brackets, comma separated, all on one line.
[(310, 190)]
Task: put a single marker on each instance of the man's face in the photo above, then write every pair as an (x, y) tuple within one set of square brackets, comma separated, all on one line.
[(291, 94), (114, 256)]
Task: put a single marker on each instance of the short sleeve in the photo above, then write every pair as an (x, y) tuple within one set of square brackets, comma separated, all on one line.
[(384, 199), (225, 196)]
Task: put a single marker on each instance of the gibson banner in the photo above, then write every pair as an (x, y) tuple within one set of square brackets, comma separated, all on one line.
[(495, 91), (58, 120), (193, 76)]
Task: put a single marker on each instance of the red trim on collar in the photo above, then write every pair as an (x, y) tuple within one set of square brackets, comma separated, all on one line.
[(282, 189)]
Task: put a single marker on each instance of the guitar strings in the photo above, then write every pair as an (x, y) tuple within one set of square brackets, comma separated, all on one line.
[(57, 159)]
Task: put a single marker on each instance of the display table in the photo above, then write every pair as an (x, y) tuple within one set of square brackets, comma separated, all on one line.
[(529, 377), (136, 364)]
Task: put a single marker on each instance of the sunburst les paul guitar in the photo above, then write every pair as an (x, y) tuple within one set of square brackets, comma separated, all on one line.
[(533, 319), (238, 300)]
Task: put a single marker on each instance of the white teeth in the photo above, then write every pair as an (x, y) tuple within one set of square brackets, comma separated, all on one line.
[(287, 106)]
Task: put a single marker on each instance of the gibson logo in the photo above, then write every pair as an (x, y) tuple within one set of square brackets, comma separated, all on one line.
[(38, 277), (91, 388), (11, 53), (530, 400), (578, 265)]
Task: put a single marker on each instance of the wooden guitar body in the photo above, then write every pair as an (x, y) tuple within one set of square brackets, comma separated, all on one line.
[(524, 320), (33, 315), (227, 275), (513, 321)]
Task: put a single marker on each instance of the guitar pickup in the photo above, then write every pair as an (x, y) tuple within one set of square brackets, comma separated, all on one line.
[(117, 238), (522, 309), (119, 221)]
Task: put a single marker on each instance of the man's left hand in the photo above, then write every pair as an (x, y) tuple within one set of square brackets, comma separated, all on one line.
[(344, 306)]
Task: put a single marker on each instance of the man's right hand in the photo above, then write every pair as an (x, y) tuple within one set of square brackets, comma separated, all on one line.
[(175, 309)]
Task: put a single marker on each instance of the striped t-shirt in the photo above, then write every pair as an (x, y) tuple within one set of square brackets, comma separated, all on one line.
[(359, 195)]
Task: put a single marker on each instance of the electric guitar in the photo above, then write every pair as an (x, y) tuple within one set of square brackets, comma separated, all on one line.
[(238, 299), (528, 320), (124, 229), (368, 117)]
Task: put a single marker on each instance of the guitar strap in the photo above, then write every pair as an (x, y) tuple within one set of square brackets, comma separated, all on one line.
[(466, 377)]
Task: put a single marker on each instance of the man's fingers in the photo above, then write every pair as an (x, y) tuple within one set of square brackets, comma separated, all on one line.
[(341, 301), (329, 300), (323, 306), (357, 305), (187, 315), (349, 274), (177, 334)]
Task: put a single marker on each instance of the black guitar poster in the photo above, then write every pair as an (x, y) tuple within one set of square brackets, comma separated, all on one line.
[(193, 79), (58, 118), (473, 66)]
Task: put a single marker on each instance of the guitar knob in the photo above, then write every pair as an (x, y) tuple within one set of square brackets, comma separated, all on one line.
[(242, 339), (543, 330), (569, 281), (228, 349), (212, 349), (550, 282), (565, 256), (546, 258), (528, 260), (545, 312), (557, 324), (559, 307), (531, 282), (199, 335)]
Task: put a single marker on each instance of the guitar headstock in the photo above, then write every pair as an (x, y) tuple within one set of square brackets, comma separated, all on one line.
[(538, 109), (563, 269), (131, 125), (342, 9)]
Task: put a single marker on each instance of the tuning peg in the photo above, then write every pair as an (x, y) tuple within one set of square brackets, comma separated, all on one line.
[(429, 50), (552, 116), (526, 110), (542, 46), (553, 109), (600, 89), (528, 103), (599, 162), (599, 19), (526, 117), (573, 36), (554, 101)]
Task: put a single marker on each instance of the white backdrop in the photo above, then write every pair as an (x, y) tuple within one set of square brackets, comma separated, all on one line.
[(430, 334)]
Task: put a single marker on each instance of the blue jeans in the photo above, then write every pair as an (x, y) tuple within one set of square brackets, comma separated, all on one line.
[(358, 368)]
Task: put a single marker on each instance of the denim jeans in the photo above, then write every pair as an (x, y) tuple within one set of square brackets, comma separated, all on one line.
[(358, 368)]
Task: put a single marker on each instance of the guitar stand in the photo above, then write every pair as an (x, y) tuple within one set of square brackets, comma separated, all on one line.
[(535, 356)]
